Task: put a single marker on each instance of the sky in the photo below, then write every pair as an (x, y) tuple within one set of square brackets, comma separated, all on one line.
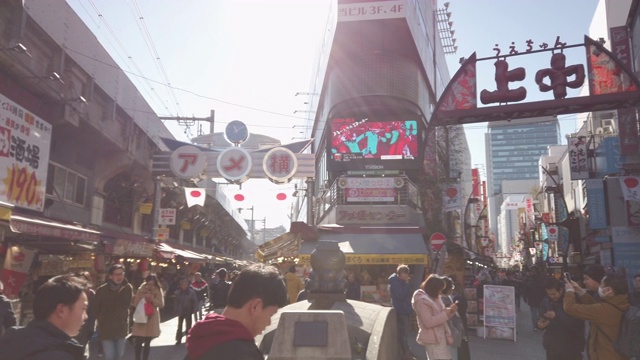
[(247, 59)]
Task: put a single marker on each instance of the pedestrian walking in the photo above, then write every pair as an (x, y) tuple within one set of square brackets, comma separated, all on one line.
[(255, 296), (202, 293), (294, 284), (113, 299), (400, 291), (433, 331), (185, 305), (59, 310), (535, 294), (353, 287), (563, 337), (219, 291), (455, 322), (150, 293), (604, 316), (7, 317)]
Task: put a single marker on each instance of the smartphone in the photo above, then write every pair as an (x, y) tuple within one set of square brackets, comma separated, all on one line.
[(567, 276)]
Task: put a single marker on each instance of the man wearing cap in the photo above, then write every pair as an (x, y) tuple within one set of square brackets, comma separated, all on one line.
[(591, 277), (219, 291)]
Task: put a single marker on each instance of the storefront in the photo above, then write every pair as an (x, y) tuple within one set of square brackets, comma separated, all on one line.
[(374, 255)]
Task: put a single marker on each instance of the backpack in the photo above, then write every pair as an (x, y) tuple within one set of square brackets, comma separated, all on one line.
[(628, 341)]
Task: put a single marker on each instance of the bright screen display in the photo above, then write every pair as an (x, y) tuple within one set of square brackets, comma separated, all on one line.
[(367, 144)]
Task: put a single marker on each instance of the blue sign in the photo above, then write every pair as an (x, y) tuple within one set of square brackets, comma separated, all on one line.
[(563, 239), (608, 157), (545, 251), (544, 235), (596, 206)]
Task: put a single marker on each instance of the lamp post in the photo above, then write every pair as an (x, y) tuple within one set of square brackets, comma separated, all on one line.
[(253, 224)]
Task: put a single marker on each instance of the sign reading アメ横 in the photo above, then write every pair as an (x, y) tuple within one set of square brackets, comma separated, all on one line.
[(24, 156)]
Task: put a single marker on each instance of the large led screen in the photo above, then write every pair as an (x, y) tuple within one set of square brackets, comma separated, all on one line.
[(369, 144)]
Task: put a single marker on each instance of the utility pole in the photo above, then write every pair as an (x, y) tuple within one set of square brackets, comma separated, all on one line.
[(190, 121)]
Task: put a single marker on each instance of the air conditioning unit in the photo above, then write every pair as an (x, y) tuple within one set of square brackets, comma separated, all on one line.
[(608, 129), (607, 122)]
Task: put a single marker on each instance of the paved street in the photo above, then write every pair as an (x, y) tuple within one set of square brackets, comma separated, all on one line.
[(527, 347)]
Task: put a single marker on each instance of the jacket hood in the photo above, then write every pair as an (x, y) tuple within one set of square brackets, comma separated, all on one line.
[(38, 336), (213, 330)]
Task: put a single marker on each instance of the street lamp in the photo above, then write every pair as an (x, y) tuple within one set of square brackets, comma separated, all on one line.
[(253, 224)]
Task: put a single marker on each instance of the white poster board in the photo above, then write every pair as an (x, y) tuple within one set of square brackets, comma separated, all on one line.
[(499, 312)]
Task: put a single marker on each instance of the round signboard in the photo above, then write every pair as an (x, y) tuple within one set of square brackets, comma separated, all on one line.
[(280, 165), (437, 240), (187, 162), (234, 164)]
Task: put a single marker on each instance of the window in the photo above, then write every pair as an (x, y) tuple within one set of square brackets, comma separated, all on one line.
[(66, 185)]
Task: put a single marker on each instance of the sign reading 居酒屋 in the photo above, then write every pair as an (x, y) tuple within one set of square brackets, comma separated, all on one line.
[(24, 156)]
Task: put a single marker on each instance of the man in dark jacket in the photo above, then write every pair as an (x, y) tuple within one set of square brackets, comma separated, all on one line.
[(401, 295), (220, 290), (112, 302), (255, 296), (564, 335), (535, 294), (185, 305), (7, 317), (59, 310)]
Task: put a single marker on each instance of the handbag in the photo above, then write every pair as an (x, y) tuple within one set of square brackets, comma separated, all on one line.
[(464, 352), (148, 308), (139, 315)]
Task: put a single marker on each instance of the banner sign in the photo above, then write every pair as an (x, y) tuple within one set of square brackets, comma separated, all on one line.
[(132, 248), (578, 157), (17, 264), (596, 206), (366, 183), (451, 198), (167, 216), (370, 195), (24, 156), (630, 186)]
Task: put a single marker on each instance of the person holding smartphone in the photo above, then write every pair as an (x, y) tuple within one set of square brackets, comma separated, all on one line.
[(563, 337)]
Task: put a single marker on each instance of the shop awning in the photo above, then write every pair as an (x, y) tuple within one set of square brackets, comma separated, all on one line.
[(285, 245), (45, 227), (373, 249), (166, 249)]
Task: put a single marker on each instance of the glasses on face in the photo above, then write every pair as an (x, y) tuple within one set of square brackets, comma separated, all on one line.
[(118, 273)]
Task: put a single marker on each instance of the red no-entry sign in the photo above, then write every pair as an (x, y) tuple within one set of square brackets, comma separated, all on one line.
[(437, 240)]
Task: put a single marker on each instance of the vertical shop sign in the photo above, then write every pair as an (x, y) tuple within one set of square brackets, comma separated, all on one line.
[(596, 206), (24, 156), (627, 117), (451, 198), (578, 158)]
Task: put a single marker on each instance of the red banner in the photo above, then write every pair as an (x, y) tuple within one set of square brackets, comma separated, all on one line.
[(16, 270)]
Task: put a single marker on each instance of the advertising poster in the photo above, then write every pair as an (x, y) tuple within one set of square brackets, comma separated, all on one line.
[(16, 270), (500, 312), (626, 250), (24, 156)]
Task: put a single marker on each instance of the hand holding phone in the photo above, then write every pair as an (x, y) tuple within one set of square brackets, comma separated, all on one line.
[(567, 277)]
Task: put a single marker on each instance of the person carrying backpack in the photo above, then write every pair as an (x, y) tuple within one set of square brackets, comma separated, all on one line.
[(605, 316)]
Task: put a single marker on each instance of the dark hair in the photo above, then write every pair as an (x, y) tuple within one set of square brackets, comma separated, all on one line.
[(636, 276), (222, 273), (154, 278), (292, 268), (62, 289), (433, 285), (115, 267), (553, 283), (258, 281), (595, 272), (403, 269), (617, 283), (448, 284)]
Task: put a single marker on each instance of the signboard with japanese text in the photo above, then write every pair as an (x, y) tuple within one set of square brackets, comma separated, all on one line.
[(376, 259), (380, 214), (578, 157), (356, 10), (609, 159), (41, 228), (187, 162), (280, 165), (627, 117), (596, 206), (499, 312), (123, 247), (451, 198), (234, 164), (626, 250), (24, 156), (167, 216), (370, 195)]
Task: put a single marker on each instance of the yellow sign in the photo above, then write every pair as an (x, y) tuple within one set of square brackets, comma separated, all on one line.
[(162, 234), (376, 259), (145, 208)]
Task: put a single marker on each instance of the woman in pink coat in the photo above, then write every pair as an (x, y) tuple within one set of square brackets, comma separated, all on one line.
[(432, 316)]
